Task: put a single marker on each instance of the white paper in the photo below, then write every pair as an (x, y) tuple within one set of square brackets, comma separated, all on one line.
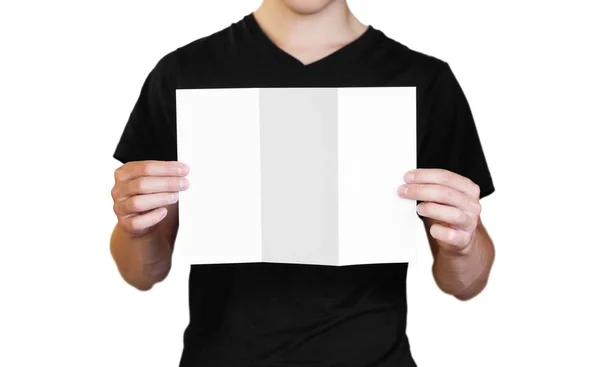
[(297, 175)]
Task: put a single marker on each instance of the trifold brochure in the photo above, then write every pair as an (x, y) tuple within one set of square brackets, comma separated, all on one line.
[(296, 175)]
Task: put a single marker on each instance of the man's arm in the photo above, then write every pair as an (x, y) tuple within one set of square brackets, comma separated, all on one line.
[(462, 249), (463, 275), (145, 260), (145, 198), (453, 176)]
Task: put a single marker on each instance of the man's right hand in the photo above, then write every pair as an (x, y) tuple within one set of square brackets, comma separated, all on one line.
[(142, 192)]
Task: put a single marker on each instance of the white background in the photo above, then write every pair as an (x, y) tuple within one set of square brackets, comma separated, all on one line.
[(72, 70)]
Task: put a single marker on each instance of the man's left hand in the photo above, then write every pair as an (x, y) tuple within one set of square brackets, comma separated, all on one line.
[(451, 201)]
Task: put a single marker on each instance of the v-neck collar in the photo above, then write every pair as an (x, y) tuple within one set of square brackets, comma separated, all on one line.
[(344, 54)]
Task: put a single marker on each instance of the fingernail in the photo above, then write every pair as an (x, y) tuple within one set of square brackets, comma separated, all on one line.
[(409, 177), (182, 169), (402, 190), (174, 197), (183, 184)]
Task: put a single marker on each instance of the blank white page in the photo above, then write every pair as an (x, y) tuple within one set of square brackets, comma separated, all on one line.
[(376, 147), (299, 175), (218, 137)]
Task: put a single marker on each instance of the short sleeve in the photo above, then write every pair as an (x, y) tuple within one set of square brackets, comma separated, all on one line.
[(450, 139), (150, 131)]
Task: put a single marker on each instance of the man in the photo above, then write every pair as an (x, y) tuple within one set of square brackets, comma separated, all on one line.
[(267, 314)]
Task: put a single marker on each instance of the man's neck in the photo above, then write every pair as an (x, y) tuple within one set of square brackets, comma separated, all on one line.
[(309, 36)]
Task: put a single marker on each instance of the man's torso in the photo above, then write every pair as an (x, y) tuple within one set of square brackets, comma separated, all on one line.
[(296, 315)]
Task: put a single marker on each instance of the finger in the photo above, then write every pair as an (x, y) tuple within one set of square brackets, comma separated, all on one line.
[(132, 170), (443, 177), (440, 194), (139, 223), (453, 239), (143, 203), (447, 214), (151, 185)]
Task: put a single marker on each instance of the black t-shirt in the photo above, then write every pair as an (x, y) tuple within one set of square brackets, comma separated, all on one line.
[(265, 314)]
